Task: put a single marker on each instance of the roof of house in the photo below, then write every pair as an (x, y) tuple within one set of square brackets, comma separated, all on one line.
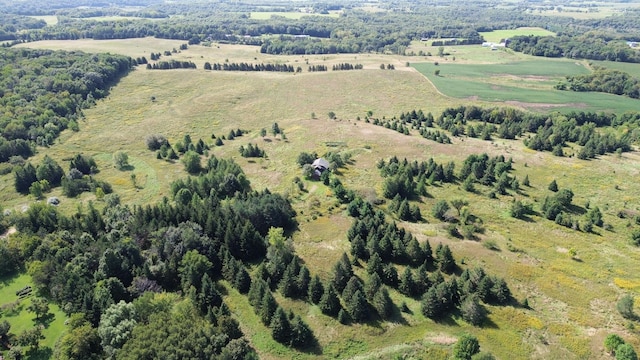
[(320, 162)]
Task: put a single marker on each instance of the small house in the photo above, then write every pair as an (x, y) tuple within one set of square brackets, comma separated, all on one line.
[(320, 165)]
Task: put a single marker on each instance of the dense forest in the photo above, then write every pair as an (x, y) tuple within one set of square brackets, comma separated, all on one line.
[(43, 93), (603, 80)]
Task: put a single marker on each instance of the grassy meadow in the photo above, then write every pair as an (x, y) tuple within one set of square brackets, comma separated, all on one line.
[(497, 35), (572, 300), (21, 319)]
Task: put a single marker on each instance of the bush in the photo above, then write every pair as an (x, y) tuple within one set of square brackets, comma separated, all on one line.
[(120, 160), (155, 142), (191, 161), (625, 307), (626, 352), (466, 347), (611, 343)]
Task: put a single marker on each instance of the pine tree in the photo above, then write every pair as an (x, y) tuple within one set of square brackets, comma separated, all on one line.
[(472, 311), (342, 272), (431, 306), (382, 303), (357, 307), (302, 282), (374, 265), (268, 307), (372, 286), (553, 186), (316, 289), (329, 303), (352, 287), (406, 282), (301, 334), (280, 327)]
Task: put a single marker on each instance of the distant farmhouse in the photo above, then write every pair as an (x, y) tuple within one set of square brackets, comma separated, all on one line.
[(320, 165)]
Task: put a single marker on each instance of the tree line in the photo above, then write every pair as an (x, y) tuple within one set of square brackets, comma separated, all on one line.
[(603, 80), (249, 67)]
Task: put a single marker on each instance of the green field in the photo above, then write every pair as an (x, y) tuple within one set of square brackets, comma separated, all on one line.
[(497, 35), (21, 319), (264, 15), (572, 302), (528, 83)]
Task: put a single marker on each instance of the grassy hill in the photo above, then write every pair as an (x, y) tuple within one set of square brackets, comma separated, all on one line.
[(571, 279)]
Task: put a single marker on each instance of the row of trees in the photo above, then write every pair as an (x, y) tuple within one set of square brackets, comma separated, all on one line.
[(173, 64), (249, 67)]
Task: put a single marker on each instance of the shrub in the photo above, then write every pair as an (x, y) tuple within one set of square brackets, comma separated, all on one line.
[(155, 142)]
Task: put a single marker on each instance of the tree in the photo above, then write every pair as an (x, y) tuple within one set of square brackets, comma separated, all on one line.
[(331, 115), (301, 334), (382, 303), (50, 170), (31, 337), (116, 326), (39, 306), (466, 346), (329, 303), (193, 267), (431, 304), (611, 343), (120, 160), (472, 311), (357, 307), (80, 342), (280, 327), (553, 186), (315, 290), (439, 209), (191, 161), (458, 204), (263, 132), (436, 72), (625, 307), (275, 129), (24, 176), (626, 352), (4, 330)]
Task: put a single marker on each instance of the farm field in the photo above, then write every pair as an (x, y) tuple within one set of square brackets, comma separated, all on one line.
[(572, 299), (497, 35), (527, 83)]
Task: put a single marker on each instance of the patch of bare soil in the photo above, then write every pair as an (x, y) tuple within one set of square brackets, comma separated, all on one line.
[(544, 105), (9, 231)]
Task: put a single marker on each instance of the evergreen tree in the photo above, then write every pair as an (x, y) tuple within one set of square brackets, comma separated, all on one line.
[(553, 186), (406, 282), (268, 307), (472, 311), (50, 170), (431, 305), (372, 285), (280, 327), (382, 303), (357, 307), (374, 265), (342, 272), (316, 289), (301, 334), (352, 287), (329, 303), (24, 176)]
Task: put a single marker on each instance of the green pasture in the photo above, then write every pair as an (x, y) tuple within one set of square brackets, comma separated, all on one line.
[(496, 35), (266, 15), (529, 83), (21, 319), (49, 19)]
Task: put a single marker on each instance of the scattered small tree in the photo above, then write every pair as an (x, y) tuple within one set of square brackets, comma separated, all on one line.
[(553, 186), (120, 160), (611, 343), (625, 307), (466, 347)]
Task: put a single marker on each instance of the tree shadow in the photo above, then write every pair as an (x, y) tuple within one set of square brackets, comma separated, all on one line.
[(575, 209), (128, 167), (313, 348), (45, 320)]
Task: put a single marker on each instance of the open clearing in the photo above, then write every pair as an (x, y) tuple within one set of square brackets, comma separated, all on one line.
[(497, 35), (572, 302)]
